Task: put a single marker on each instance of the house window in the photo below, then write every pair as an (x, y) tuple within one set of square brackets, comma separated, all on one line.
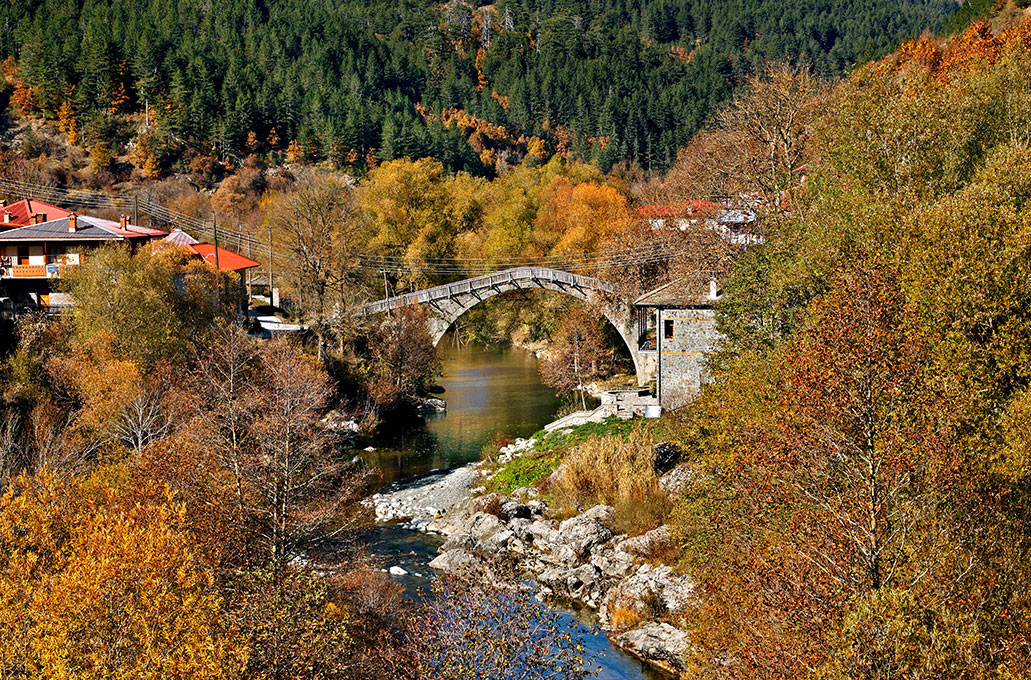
[(23, 254), (667, 329)]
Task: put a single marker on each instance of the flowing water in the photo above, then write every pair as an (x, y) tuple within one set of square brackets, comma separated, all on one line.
[(489, 390)]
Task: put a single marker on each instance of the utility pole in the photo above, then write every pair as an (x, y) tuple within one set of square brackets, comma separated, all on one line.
[(218, 272), (249, 289), (271, 271), (214, 226), (135, 209), (386, 294)]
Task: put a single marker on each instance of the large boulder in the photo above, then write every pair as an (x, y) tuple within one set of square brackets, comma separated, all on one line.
[(583, 532), (521, 528), (667, 455), (513, 509), (647, 544), (614, 564), (482, 525), (651, 592), (543, 532), (466, 542), (455, 561), (659, 643), (602, 513), (584, 583), (430, 405), (676, 481)]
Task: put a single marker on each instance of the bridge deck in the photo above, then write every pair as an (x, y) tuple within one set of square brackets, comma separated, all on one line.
[(486, 282)]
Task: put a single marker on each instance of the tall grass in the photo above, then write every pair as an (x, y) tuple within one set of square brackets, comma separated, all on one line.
[(616, 471)]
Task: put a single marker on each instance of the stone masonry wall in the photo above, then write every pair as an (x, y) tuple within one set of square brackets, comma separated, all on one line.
[(685, 354)]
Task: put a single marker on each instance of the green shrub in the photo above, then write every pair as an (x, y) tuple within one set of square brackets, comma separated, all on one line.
[(522, 472), (559, 440)]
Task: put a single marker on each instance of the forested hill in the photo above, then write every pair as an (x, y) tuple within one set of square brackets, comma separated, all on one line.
[(602, 80)]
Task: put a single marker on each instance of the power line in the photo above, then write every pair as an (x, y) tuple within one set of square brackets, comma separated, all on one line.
[(647, 254)]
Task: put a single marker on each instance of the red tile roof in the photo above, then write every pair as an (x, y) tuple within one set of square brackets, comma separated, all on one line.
[(227, 259), (21, 213), (688, 209)]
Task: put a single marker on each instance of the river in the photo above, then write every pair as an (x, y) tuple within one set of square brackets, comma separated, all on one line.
[(488, 390)]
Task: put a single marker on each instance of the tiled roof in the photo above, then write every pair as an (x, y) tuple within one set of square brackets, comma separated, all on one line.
[(21, 212), (86, 229), (180, 237), (686, 292), (227, 259), (688, 209)]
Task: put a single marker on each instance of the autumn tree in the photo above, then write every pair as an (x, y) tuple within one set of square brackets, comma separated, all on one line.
[(317, 226), (580, 219), (835, 495), (417, 215), (153, 303), (238, 194), (579, 352), (402, 357), (293, 627), (101, 157), (759, 145), (100, 578)]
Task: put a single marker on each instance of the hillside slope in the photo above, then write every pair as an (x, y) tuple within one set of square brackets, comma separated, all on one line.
[(606, 80)]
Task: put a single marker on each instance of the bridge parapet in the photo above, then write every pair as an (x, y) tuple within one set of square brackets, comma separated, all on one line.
[(487, 282)]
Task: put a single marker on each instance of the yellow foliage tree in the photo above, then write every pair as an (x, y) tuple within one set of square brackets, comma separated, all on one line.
[(9, 70), (151, 167), (66, 117), (118, 98), (99, 578), (100, 380), (101, 157)]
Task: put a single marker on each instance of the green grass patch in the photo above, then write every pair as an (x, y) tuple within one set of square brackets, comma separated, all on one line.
[(561, 439), (523, 472)]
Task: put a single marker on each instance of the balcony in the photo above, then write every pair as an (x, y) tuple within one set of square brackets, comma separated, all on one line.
[(54, 268), (28, 271)]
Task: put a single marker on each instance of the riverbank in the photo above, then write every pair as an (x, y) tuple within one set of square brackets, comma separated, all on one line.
[(580, 559)]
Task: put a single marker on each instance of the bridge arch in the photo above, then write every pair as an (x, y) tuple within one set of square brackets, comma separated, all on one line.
[(446, 304)]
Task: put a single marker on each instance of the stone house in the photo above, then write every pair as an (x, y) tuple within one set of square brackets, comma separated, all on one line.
[(678, 327)]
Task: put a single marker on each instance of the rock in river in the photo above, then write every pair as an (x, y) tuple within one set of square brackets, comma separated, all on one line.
[(455, 561), (659, 643)]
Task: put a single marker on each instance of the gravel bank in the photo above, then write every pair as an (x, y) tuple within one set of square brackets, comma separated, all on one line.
[(419, 501)]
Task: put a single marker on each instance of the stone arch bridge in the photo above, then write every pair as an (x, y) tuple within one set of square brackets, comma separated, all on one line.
[(447, 303)]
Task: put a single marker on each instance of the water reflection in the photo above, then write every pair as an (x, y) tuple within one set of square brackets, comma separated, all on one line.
[(488, 390)]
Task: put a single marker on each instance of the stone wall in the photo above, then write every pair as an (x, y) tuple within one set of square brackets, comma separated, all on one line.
[(684, 356)]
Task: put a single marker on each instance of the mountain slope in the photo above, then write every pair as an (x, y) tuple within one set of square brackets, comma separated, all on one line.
[(606, 80)]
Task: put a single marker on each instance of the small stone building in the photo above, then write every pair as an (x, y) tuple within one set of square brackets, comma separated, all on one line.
[(677, 324)]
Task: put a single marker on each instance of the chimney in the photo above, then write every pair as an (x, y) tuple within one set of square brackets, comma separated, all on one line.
[(713, 292), (123, 221), (3, 202), (71, 222), (7, 217), (37, 218)]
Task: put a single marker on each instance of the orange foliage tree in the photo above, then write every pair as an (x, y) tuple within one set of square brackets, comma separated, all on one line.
[(99, 578), (828, 487), (581, 218)]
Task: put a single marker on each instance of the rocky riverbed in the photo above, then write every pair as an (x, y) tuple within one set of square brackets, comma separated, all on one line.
[(579, 559)]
